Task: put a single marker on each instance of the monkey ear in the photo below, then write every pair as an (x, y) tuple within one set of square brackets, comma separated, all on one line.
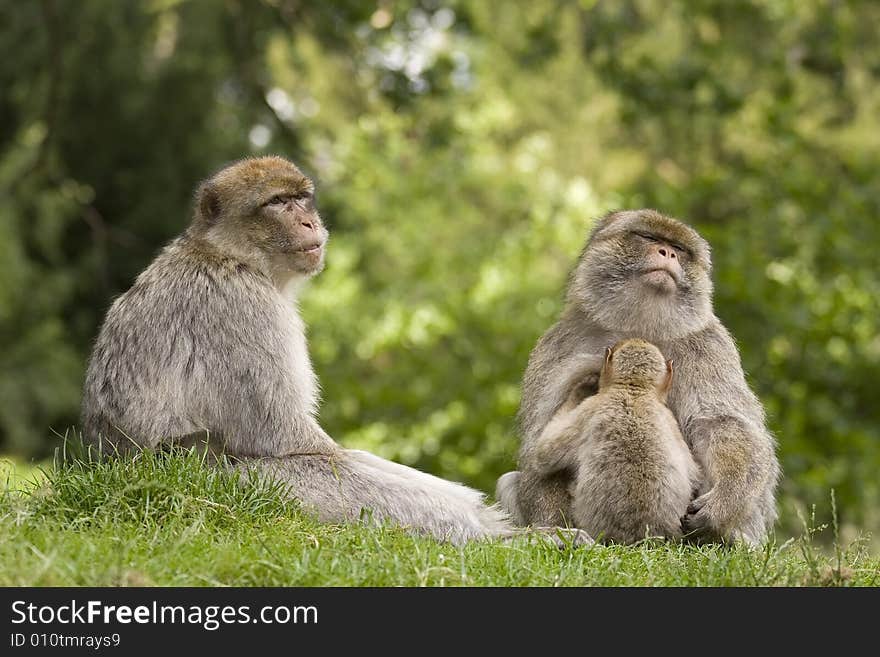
[(667, 380), (605, 373), (613, 216), (208, 203), (606, 220)]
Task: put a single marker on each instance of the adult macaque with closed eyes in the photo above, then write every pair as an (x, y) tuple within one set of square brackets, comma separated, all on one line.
[(208, 345), (645, 275)]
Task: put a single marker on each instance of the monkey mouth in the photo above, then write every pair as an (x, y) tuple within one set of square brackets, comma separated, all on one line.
[(665, 270), (310, 249), (307, 258), (660, 278)]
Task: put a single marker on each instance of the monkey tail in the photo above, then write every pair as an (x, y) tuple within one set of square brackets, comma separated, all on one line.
[(352, 485)]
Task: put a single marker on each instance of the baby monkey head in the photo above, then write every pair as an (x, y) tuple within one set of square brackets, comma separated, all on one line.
[(636, 363), (262, 210)]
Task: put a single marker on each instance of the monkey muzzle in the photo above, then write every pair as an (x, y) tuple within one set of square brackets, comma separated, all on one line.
[(661, 278)]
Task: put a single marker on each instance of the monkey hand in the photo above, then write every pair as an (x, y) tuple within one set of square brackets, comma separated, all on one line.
[(707, 520), (702, 524), (737, 460), (696, 523)]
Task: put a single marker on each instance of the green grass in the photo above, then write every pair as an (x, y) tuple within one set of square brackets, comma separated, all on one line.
[(171, 520), (18, 475)]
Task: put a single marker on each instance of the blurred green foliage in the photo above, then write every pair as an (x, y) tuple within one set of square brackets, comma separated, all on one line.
[(461, 151)]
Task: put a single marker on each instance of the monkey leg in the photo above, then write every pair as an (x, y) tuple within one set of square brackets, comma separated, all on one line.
[(741, 473), (544, 501), (350, 486), (507, 494)]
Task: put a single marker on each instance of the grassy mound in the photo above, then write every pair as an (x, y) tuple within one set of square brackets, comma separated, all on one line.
[(171, 520)]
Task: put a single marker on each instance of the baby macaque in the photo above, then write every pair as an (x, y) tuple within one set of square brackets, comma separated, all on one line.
[(633, 474)]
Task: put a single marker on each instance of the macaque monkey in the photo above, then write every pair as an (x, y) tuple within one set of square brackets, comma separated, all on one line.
[(208, 346), (633, 474), (646, 275)]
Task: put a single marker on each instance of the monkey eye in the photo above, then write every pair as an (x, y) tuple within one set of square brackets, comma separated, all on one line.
[(675, 245), (646, 236), (278, 199), (681, 249)]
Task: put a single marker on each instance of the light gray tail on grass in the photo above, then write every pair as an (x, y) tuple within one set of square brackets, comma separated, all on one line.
[(355, 485)]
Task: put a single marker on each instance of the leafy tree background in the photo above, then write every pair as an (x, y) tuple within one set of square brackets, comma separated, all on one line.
[(462, 150)]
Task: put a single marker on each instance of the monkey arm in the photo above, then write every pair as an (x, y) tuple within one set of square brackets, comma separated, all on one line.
[(564, 356), (273, 423), (539, 494), (723, 423), (557, 446), (548, 388), (739, 463)]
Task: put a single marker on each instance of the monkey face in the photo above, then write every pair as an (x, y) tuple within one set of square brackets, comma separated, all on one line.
[(648, 251), (292, 231), (662, 269), (285, 223), (642, 272), (267, 205)]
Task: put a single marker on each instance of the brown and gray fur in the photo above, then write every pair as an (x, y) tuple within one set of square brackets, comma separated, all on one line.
[(645, 275), (208, 344), (634, 475)]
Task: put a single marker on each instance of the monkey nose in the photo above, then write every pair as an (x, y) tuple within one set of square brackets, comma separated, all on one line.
[(307, 224), (666, 252)]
